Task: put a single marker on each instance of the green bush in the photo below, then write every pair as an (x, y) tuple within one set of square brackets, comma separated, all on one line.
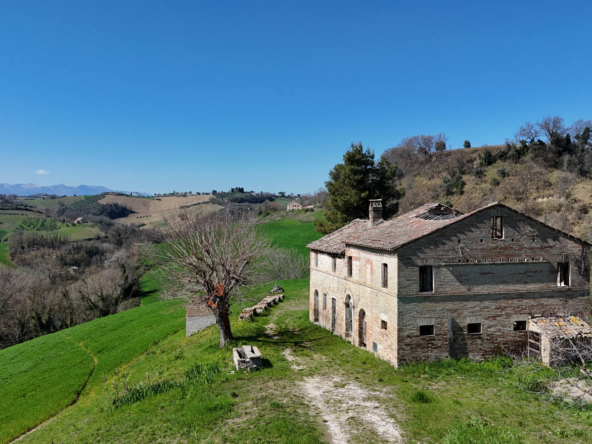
[(494, 182), (423, 397)]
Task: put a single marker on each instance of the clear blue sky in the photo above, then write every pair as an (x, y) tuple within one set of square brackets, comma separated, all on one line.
[(198, 95)]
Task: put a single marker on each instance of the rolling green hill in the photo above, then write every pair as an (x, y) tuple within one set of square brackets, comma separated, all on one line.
[(43, 376), (289, 233), (53, 203)]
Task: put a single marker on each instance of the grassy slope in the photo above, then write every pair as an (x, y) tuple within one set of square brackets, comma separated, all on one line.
[(4, 260), (290, 233), (436, 402), (42, 376), (53, 203)]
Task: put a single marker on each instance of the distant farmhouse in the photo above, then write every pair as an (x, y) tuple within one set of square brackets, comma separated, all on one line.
[(435, 283), (292, 206)]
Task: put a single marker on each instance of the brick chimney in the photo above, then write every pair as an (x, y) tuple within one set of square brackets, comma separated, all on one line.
[(375, 211)]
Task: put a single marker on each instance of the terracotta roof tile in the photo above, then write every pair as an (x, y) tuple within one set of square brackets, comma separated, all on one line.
[(401, 230), (562, 327)]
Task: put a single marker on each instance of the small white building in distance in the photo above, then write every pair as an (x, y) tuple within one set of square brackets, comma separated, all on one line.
[(294, 206)]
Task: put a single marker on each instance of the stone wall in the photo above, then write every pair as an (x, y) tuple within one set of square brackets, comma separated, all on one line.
[(496, 313), (198, 317), (365, 292), (492, 281), (477, 279)]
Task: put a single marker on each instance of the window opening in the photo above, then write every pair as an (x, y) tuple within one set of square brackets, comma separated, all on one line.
[(316, 306), (362, 329), (349, 266), (383, 325), (519, 325), (474, 329), (384, 276), (497, 227), (426, 278), (348, 316), (333, 313), (334, 264), (426, 330), (563, 274), (324, 301), (316, 259)]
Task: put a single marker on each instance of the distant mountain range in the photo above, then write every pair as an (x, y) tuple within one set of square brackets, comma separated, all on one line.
[(30, 189)]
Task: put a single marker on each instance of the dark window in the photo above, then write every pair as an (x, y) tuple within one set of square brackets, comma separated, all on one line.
[(384, 276), (474, 329), (519, 325), (334, 264), (383, 325), (497, 227), (426, 330), (324, 301), (349, 266), (426, 278), (374, 347), (316, 259), (563, 274)]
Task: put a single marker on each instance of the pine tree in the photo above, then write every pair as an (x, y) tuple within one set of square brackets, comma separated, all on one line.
[(353, 183)]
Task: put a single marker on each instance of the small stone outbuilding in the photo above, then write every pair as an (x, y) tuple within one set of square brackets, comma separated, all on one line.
[(556, 339), (198, 317)]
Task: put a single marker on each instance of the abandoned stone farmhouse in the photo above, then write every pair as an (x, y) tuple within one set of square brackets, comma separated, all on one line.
[(435, 283)]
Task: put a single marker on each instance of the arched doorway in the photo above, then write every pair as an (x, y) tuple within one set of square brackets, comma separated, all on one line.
[(362, 329), (348, 316), (316, 306)]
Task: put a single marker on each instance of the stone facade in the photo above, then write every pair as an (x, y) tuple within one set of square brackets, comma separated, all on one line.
[(484, 288)]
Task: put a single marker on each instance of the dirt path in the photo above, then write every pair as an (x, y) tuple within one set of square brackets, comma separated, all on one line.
[(349, 411)]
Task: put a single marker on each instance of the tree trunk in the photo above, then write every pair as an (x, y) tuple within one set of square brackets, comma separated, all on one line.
[(223, 321)]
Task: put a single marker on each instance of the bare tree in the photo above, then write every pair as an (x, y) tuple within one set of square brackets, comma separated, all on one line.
[(216, 253), (103, 292), (529, 132), (579, 126), (285, 264), (552, 126)]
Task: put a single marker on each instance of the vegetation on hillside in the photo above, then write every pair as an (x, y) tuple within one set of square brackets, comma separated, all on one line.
[(545, 170), (353, 183), (37, 224)]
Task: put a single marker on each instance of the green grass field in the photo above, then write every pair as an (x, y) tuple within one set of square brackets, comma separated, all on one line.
[(4, 260), (78, 232), (290, 234), (53, 203), (449, 401), (42, 376)]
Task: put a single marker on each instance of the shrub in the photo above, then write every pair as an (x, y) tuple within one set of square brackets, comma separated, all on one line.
[(422, 397), (467, 144), (477, 171), (494, 182), (501, 172)]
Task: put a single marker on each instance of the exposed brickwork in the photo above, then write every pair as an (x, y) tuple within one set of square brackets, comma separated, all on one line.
[(477, 279)]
